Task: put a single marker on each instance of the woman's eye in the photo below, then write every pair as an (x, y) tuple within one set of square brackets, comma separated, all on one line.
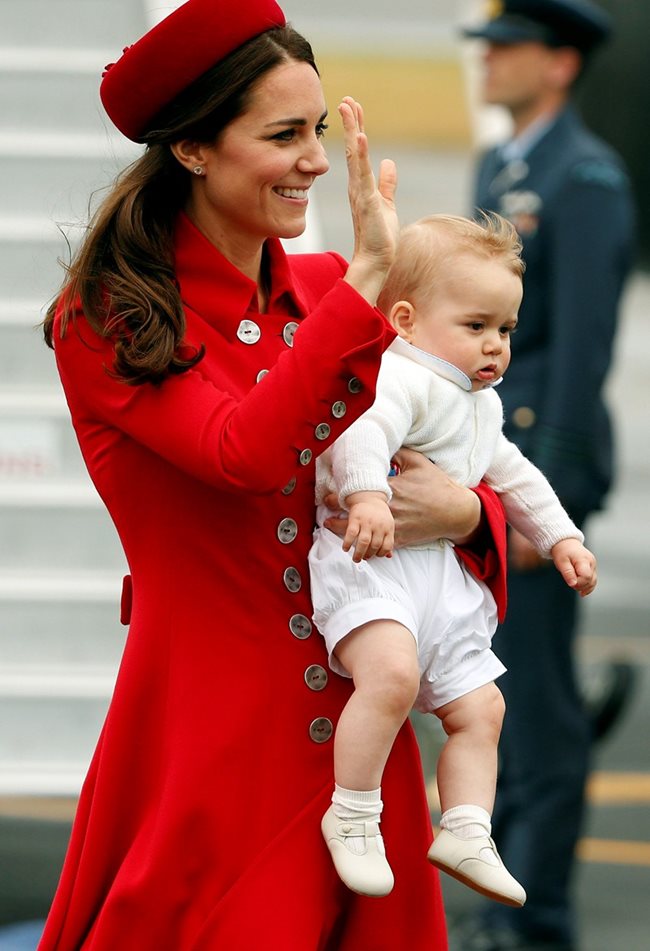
[(285, 136)]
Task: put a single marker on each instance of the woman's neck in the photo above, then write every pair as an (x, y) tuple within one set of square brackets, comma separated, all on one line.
[(244, 253)]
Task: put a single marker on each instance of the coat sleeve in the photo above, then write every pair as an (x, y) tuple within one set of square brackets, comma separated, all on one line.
[(250, 444), (486, 556)]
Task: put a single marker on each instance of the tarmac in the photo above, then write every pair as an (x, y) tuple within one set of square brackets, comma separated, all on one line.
[(612, 882)]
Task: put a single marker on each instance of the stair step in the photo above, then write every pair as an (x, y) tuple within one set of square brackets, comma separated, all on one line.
[(88, 682), (48, 737), (56, 523), (61, 620), (110, 24), (62, 190)]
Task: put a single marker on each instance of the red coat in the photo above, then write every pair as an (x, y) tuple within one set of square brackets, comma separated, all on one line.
[(198, 827)]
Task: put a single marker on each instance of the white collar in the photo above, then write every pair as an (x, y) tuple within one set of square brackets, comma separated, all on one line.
[(448, 371)]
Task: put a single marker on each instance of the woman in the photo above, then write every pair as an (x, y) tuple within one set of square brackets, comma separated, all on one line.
[(199, 417)]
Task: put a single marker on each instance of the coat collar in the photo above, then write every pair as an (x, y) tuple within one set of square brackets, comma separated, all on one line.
[(216, 290)]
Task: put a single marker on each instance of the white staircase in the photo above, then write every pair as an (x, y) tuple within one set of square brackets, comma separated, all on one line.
[(60, 561)]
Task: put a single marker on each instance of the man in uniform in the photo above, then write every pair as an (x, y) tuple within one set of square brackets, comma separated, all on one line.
[(568, 194)]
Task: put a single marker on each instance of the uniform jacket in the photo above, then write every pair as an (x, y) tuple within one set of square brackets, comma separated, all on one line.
[(198, 827), (570, 201)]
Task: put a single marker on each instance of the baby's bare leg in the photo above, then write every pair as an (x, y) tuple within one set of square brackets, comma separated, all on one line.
[(382, 658), (467, 767)]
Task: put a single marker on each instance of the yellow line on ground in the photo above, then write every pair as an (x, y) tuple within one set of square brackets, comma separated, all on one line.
[(603, 789), (614, 852), (618, 788)]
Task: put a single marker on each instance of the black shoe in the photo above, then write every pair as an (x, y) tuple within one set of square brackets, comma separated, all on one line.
[(606, 704), (473, 935)]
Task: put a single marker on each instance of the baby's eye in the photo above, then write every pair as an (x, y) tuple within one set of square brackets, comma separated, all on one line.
[(507, 331), (476, 325)]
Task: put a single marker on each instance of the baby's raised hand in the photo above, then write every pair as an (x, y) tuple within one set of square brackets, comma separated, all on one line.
[(370, 529), (576, 564)]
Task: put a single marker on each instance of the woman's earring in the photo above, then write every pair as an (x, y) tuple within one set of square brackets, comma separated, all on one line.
[(198, 170)]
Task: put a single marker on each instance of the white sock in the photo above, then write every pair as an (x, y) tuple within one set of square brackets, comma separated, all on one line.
[(357, 804), (467, 822)]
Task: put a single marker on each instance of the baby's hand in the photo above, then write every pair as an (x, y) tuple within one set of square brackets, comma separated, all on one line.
[(371, 528), (576, 564)]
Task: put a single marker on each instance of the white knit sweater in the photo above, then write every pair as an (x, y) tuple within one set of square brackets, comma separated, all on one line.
[(426, 404)]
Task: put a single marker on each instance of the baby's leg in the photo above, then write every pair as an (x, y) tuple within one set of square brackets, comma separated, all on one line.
[(467, 773), (382, 658), (467, 767)]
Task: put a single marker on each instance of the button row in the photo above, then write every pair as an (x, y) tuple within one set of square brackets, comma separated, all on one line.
[(249, 332)]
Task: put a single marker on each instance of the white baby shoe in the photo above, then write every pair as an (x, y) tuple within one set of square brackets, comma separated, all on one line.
[(476, 863), (358, 853)]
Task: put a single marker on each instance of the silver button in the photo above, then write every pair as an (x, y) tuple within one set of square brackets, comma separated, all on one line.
[(288, 332), (322, 431), (300, 626), (248, 331), (355, 385), (321, 729), (287, 531), (292, 580), (290, 486), (316, 677), (261, 375), (305, 457), (339, 409), (524, 417)]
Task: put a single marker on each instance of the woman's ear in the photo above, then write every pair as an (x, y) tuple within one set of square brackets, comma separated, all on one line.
[(190, 154), (402, 317)]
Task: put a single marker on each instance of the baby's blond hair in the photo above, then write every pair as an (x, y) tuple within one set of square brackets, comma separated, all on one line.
[(427, 245)]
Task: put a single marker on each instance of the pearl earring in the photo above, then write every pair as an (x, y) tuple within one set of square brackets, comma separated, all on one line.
[(198, 170)]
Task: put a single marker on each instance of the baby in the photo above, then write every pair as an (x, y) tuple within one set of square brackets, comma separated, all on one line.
[(415, 628)]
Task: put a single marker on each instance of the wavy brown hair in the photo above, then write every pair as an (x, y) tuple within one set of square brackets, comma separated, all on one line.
[(123, 272)]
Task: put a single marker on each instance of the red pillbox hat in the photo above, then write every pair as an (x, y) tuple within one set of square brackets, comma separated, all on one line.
[(179, 49)]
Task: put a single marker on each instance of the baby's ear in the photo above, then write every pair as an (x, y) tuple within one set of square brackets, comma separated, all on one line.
[(402, 317)]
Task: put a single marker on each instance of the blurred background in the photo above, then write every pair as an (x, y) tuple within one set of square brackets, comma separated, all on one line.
[(60, 562)]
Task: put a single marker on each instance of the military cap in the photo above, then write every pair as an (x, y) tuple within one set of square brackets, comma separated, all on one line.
[(577, 23), (171, 56)]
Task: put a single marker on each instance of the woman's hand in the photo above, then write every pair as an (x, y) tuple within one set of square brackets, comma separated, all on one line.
[(426, 504), (374, 216)]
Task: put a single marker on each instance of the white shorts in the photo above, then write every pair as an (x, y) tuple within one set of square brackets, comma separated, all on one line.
[(451, 614)]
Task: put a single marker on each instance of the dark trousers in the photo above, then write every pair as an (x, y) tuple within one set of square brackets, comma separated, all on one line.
[(544, 753)]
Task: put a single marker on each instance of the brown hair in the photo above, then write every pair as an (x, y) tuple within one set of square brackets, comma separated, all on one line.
[(123, 273), (427, 245)]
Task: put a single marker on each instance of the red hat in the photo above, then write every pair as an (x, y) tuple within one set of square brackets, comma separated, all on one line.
[(183, 46)]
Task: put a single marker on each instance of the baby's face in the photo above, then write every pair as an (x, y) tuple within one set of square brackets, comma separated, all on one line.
[(470, 316)]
